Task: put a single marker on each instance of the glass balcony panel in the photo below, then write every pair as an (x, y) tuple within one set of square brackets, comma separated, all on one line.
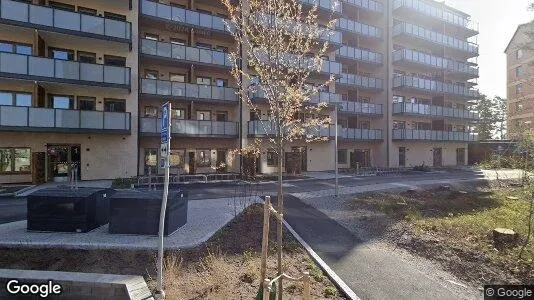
[(178, 89), (117, 75), (149, 86), (149, 8), (67, 118), (163, 11), (41, 117), (13, 63), (192, 54), (40, 66), (67, 69), (178, 14), (164, 49), (13, 116), (13, 10), (149, 125), (93, 119), (41, 15), (116, 121), (66, 20), (91, 72), (204, 91), (93, 24), (118, 29), (164, 87), (178, 52), (149, 47), (192, 17), (191, 90)]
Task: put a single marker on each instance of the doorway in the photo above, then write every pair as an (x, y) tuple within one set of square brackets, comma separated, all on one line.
[(438, 157), (460, 156), (191, 163), (402, 156), (303, 153), (62, 162), (362, 158), (221, 161)]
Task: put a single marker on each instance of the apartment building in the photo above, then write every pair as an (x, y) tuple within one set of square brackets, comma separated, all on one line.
[(519, 79), (82, 84)]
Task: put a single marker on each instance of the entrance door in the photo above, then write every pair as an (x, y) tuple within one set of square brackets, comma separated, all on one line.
[(303, 151), (63, 160), (363, 158), (460, 156), (191, 163), (402, 156), (438, 159), (221, 161)]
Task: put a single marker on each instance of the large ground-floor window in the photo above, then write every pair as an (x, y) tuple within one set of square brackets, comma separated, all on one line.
[(15, 160)]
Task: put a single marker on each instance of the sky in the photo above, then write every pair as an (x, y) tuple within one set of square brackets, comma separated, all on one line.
[(498, 20)]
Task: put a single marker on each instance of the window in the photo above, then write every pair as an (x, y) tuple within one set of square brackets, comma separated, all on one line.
[(204, 80), (114, 16), (272, 159), (398, 99), (222, 49), (63, 54), (519, 88), (114, 105), (15, 160), (203, 115), (152, 37), (519, 53), (87, 57), (86, 103), (87, 11), (116, 61), (178, 41), (399, 124), (176, 158), (61, 102), (519, 71), (151, 74), (178, 114), (204, 158), (221, 82), (204, 46), (62, 6), (151, 161), (23, 49), (177, 77), (151, 111), (17, 99), (342, 156), (221, 116)]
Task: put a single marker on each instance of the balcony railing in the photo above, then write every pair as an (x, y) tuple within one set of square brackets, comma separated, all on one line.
[(152, 126), (370, 5), (41, 68), (360, 81), (37, 119), (184, 16), (434, 111), (359, 28), (435, 62), (360, 108), (436, 12), (188, 90), (61, 20), (185, 53), (265, 128), (360, 55), (433, 86), (290, 60), (430, 135), (330, 5), (321, 97), (435, 37)]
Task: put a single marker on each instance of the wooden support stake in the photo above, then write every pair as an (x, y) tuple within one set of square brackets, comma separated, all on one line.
[(265, 240), (307, 289), (266, 289)]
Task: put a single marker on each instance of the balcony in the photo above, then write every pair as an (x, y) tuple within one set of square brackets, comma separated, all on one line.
[(359, 108), (185, 54), (452, 67), (193, 128), (57, 20), (330, 6), (359, 81), (433, 87), (430, 135), (361, 29), (351, 54), (430, 13), (164, 13), (435, 39), (290, 60), (266, 128), (432, 111), (321, 97), (188, 91), (37, 119), (18, 66), (369, 5)]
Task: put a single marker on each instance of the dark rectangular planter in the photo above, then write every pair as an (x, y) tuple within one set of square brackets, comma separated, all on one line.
[(68, 210), (137, 212)]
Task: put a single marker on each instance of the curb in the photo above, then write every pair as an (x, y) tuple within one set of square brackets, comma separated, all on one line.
[(338, 282), (16, 193)]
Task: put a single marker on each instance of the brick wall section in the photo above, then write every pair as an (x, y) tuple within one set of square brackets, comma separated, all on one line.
[(81, 285)]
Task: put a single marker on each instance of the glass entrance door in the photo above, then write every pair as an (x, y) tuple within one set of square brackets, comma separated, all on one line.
[(62, 162)]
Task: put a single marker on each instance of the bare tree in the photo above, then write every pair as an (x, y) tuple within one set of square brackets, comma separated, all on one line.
[(281, 46)]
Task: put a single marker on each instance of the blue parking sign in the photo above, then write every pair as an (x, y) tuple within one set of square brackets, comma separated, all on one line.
[(165, 122)]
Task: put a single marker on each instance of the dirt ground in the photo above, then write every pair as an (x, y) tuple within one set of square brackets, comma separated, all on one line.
[(453, 227), (226, 267)]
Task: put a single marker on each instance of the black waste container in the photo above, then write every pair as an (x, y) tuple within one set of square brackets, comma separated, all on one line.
[(67, 209), (137, 212)]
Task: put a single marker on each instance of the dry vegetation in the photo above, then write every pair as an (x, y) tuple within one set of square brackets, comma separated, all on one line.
[(454, 228), (226, 267)]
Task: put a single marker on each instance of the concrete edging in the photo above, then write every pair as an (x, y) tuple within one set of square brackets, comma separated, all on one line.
[(338, 282)]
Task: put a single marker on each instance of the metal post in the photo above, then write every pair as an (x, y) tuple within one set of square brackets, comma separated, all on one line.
[(336, 154)]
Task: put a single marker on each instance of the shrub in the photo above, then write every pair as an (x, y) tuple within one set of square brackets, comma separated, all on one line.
[(123, 183)]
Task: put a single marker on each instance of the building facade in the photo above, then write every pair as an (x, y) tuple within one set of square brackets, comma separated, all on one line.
[(519, 76), (82, 84)]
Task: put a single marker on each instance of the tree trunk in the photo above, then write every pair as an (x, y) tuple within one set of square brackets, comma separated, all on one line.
[(503, 238), (280, 198)]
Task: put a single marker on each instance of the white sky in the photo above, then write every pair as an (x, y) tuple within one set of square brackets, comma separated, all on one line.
[(498, 20)]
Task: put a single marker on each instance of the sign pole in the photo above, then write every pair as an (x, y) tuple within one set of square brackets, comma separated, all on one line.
[(165, 146)]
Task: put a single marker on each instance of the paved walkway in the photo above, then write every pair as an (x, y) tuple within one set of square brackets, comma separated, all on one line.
[(205, 218)]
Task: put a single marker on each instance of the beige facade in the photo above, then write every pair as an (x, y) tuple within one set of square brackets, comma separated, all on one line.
[(82, 84)]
